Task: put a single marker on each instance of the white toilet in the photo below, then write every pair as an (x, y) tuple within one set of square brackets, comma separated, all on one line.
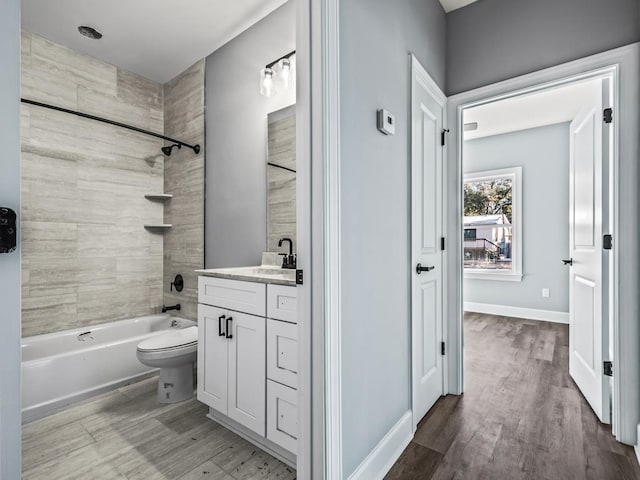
[(174, 353)]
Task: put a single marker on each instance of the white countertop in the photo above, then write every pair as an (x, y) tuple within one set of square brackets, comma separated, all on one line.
[(261, 274)]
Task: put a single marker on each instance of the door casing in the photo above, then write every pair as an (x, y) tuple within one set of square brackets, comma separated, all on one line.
[(606, 64)]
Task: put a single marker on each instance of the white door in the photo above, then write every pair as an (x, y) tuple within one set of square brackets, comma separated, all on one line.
[(248, 371), (588, 329), (427, 111), (212, 357)]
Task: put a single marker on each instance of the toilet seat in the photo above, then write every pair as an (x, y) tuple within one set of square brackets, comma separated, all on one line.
[(180, 339)]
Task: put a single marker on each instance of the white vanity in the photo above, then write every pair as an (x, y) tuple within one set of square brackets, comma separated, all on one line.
[(248, 354)]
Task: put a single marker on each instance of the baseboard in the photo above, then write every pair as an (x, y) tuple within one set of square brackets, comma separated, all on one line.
[(517, 312), (636, 447), (387, 452)]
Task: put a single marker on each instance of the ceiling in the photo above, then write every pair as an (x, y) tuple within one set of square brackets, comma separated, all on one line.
[(157, 39), (450, 5), (555, 105)]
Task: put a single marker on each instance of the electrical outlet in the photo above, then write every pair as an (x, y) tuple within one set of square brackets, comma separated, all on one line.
[(545, 292)]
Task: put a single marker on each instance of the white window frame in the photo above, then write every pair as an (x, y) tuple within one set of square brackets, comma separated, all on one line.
[(515, 274)]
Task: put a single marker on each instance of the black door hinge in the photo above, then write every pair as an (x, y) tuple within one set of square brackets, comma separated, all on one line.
[(442, 348), (607, 242), (299, 277), (441, 243), (442, 136), (608, 115), (608, 369)]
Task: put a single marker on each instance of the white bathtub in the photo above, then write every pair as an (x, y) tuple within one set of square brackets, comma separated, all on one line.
[(64, 367)]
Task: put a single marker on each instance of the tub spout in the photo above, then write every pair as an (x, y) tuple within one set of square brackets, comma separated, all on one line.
[(165, 309)]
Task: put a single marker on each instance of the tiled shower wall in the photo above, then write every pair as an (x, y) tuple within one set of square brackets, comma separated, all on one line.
[(184, 179), (87, 258)]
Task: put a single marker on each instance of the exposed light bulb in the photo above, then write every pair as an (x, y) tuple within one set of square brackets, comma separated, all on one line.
[(266, 84), (285, 71)]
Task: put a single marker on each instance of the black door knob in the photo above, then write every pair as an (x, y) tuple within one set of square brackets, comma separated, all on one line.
[(420, 269), (568, 262)]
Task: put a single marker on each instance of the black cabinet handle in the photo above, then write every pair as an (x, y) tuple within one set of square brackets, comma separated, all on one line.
[(568, 262), (220, 332), (420, 269), (229, 320)]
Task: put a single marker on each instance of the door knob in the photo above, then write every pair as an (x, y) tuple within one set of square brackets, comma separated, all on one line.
[(420, 269), (568, 262)]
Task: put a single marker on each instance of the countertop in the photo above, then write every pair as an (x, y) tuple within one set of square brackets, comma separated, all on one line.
[(268, 274)]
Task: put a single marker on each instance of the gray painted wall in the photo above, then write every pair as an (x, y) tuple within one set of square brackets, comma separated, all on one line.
[(376, 37), (543, 154), (10, 263), (236, 133), (492, 40)]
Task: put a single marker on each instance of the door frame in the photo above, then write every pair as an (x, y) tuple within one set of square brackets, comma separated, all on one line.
[(418, 70), (625, 409)]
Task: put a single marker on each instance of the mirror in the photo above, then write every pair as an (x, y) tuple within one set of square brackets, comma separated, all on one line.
[(281, 178)]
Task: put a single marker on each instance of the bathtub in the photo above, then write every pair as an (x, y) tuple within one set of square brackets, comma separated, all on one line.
[(64, 367)]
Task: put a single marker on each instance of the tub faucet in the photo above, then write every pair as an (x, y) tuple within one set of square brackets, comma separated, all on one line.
[(165, 309)]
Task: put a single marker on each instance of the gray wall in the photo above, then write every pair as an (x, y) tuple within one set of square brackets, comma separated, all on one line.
[(376, 37), (492, 40), (10, 263), (236, 132), (543, 154), (184, 179)]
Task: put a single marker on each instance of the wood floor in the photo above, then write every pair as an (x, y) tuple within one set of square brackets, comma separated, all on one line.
[(521, 417), (127, 435)]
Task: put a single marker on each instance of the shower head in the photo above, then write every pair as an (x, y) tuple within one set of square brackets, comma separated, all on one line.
[(167, 150)]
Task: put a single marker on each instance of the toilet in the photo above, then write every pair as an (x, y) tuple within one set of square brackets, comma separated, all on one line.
[(174, 353)]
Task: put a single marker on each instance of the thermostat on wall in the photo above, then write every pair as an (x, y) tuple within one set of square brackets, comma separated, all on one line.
[(386, 122)]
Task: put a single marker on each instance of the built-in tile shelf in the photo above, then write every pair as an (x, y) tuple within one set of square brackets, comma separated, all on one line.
[(159, 226), (161, 197)]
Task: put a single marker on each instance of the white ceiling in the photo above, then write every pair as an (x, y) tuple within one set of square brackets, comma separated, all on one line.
[(450, 5), (547, 107), (157, 39)]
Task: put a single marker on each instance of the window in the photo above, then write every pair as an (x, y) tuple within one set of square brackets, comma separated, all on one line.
[(493, 225)]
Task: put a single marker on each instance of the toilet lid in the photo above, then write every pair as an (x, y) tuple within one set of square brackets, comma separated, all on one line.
[(173, 339)]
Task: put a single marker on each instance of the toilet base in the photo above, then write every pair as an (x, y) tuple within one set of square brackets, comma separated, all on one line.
[(175, 384)]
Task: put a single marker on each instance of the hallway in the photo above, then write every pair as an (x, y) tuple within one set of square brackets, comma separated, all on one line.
[(521, 417)]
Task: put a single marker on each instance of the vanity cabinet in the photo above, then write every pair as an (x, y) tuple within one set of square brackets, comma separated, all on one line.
[(248, 356)]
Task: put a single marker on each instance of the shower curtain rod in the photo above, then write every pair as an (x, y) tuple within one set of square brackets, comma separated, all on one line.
[(195, 148)]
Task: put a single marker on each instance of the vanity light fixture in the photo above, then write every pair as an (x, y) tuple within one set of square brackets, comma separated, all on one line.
[(278, 75)]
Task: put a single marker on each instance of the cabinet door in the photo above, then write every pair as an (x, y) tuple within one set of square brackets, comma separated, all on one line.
[(247, 371), (213, 357), (282, 352)]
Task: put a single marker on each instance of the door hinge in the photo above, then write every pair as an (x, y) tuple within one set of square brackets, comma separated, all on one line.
[(608, 115), (608, 369), (441, 243), (607, 242), (299, 277), (442, 348), (442, 136)]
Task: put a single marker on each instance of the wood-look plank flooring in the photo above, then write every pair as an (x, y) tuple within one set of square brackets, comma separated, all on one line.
[(126, 435), (521, 416)]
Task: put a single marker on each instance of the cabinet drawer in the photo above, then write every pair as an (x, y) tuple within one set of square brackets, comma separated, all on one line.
[(247, 297), (282, 303), (282, 352), (282, 415)]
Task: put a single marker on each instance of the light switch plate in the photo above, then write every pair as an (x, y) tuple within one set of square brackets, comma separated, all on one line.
[(386, 122), (545, 292)]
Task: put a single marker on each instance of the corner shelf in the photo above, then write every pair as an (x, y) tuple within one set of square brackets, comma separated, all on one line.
[(159, 196)]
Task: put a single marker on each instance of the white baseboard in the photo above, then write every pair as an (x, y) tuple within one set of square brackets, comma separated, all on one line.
[(636, 447), (517, 312), (387, 452)]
